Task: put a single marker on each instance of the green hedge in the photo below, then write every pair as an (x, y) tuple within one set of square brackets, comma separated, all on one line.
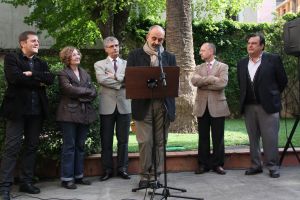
[(2, 90), (229, 37)]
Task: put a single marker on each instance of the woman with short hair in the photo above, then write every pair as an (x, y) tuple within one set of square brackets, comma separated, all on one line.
[(75, 113)]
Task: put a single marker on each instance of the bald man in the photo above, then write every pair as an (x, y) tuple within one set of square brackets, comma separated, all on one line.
[(210, 108), (164, 109)]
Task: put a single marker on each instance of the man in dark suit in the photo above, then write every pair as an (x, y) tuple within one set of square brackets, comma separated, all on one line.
[(164, 109), (262, 79), (24, 106)]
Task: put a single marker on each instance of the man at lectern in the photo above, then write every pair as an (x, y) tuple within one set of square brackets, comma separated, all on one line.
[(164, 109)]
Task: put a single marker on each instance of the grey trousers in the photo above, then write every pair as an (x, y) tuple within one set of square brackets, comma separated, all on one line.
[(262, 125), (145, 139)]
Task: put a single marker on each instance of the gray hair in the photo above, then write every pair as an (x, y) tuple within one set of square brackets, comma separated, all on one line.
[(109, 39), (212, 46), (156, 26)]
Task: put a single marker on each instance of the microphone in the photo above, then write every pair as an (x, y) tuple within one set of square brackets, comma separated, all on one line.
[(162, 73), (158, 52)]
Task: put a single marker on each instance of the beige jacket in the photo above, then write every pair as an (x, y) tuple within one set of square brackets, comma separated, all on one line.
[(210, 90), (112, 92)]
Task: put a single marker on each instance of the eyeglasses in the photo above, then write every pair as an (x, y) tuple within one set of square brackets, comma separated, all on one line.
[(113, 45)]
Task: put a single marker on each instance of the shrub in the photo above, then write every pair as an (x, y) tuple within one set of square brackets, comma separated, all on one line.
[(2, 90)]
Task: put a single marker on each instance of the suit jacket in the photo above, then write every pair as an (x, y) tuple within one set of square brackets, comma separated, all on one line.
[(112, 92), (76, 97), (269, 84), (139, 57), (210, 90), (18, 95)]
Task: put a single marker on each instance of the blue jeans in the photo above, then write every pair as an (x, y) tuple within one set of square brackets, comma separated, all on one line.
[(72, 156)]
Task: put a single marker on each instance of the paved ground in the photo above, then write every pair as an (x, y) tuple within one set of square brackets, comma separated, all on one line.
[(210, 186)]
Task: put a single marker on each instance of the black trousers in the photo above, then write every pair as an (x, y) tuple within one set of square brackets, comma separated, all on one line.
[(215, 125), (107, 126), (30, 127)]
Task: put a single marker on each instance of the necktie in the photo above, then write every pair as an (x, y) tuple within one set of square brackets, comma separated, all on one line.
[(208, 68), (115, 65)]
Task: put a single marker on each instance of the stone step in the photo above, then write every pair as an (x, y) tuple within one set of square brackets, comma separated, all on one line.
[(236, 158)]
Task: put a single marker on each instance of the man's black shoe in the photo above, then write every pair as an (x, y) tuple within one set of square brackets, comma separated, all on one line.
[(82, 181), (274, 174), (29, 188), (123, 175), (5, 195), (106, 176), (201, 170), (143, 184), (219, 170), (252, 171), (69, 185)]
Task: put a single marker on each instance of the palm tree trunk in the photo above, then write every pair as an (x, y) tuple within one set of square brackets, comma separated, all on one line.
[(179, 40)]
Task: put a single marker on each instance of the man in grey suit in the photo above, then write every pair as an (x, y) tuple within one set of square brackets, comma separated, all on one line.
[(114, 109), (261, 78), (210, 107)]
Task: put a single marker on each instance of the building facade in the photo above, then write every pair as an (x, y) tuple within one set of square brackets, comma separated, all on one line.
[(286, 6), (12, 24), (264, 12)]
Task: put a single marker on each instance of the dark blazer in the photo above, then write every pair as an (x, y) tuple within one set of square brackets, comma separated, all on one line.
[(76, 97), (17, 97), (139, 57), (269, 84)]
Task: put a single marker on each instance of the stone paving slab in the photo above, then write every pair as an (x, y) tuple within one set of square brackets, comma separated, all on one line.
[(210, 186)]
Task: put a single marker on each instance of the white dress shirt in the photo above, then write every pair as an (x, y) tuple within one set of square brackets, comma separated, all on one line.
[(253, 66)]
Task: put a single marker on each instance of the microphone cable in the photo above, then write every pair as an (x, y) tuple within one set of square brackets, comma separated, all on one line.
[(33, 197)]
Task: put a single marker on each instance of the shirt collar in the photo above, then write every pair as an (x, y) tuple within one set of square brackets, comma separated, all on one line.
[(259, 58), (26, 58), (117, 59), (211, 62)]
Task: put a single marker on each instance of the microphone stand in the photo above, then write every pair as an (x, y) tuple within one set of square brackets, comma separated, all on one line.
[(162, 73), (166, 190)]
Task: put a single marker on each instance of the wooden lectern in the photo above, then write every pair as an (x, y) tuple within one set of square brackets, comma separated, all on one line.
[(137, 78), (139, 85)]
